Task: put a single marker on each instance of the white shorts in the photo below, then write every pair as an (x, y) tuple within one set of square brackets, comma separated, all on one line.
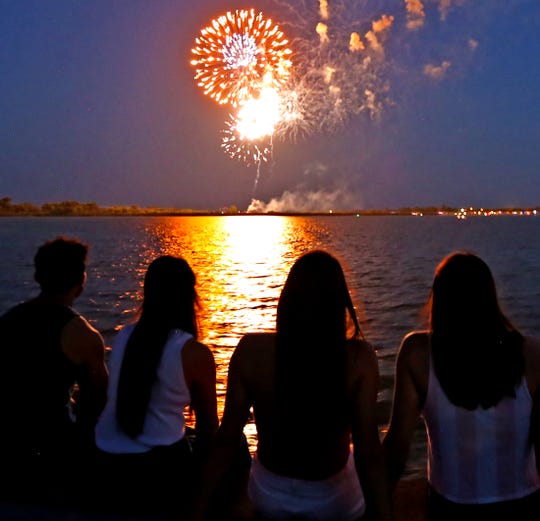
[(339, 497)]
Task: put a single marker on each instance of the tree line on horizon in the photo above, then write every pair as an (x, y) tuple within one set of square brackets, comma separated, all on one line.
[(76, 208)]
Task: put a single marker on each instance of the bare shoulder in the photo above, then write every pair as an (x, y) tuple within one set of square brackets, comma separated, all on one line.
[(254, 355), (198, 362), (414, 347), (361, 353), (254, 345), (197, 351), (413, 360), (256, 340), (78, 325), (81, 341)]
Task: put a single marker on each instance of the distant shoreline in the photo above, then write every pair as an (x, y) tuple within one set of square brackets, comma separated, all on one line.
[(78, 209), (252, 214)]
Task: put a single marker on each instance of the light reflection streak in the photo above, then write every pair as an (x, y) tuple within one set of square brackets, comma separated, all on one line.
[(241, 263)]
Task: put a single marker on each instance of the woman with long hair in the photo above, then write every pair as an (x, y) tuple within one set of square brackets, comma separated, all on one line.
[(313, 387), (475, 381), (158, 368)]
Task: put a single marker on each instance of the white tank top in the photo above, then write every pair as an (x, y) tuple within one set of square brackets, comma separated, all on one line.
[(479, 456), (164, 423)]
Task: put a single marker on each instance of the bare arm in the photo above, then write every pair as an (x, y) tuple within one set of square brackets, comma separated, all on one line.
[(405, 410), (229, 436), (200, 374), (368, 452), (84, 346)]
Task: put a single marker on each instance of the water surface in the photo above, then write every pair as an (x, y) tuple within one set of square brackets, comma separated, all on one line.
[(241, 263)]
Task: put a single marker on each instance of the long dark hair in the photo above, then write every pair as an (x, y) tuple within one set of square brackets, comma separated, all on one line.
[(315, 317), (477, 352), (170, 302)]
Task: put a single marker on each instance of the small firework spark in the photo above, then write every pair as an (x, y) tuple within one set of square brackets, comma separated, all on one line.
[(236, 52)]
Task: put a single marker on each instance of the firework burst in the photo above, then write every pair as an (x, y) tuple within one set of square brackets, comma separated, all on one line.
[(252, 150), (298, 117), (236, 53), (243, 59)]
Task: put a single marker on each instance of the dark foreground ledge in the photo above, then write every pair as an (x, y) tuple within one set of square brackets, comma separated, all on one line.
[(410, 501)]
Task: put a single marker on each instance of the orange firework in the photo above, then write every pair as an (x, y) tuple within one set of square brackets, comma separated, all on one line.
[(237, 53)]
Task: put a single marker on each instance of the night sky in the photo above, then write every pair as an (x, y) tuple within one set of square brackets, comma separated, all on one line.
[(98, 103)]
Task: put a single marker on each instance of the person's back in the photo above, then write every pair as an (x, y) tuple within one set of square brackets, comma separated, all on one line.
[(312, 448), (475, 381), (164, 422), (480, 455), (52, 380), (157, 369), (36, 378), (313, 388)]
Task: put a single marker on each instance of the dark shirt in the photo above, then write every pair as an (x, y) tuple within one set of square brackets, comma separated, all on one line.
[(36, 379)]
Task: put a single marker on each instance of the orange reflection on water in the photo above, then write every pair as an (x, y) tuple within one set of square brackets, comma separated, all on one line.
[(241, 263), (252, 271)]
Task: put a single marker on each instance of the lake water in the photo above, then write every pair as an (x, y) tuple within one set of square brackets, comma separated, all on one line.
[(241, 263)]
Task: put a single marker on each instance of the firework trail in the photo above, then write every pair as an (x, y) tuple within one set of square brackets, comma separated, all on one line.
[(250, 151)]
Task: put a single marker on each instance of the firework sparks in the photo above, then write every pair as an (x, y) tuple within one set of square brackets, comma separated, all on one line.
[(297, 119), (237, 53), (250, 150), (339, 63), (246, 140), (258, 117), (249, 132), (243, 59)]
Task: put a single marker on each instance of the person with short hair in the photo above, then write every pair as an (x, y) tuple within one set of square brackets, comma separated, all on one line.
[(53, 381)]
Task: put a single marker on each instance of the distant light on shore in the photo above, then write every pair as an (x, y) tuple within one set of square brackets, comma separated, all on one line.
[(463, 213)]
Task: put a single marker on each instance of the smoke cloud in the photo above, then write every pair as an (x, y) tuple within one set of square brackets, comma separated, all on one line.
[(437, 72), (314, 201), (415, 14), (323, 9)]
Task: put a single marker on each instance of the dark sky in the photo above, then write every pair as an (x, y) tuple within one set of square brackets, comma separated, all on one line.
[(98, 103)]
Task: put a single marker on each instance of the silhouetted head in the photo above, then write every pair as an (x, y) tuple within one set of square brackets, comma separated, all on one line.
[(169, 302), (463, 295), (169, 292), (60, 265), (315, 296)]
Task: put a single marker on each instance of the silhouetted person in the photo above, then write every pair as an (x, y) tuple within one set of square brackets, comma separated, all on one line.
[(157, 369), (53, 383), (313, 387), (475, 381)]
